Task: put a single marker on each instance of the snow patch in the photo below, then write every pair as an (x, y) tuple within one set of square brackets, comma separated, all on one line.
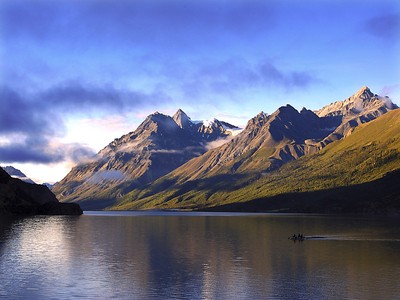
[(210, 123)]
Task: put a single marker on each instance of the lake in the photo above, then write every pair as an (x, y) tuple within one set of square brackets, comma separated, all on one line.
[(187, 255)]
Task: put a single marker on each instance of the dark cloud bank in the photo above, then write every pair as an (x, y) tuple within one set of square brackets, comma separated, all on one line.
[(32, 121)]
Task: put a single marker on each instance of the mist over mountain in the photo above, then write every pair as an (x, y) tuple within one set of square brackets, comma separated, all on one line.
[(165, 154)]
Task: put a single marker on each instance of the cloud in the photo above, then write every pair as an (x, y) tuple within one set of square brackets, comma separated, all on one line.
[(43, 112), (219, 142), (386, 26), (83, 97), (31, 121), (23, 153), (41, 150), (135, 22), (78, 153), (270, 74), (236, 74), (18, 114), (388, 90), (168, 151)]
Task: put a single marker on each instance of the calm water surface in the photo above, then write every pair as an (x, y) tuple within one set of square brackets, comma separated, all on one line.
[(179, 255)]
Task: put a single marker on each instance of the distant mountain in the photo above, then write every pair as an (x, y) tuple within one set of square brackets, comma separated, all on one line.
[(18, 197), (267, 143), (49, 185), (15, 173), (159, 145)]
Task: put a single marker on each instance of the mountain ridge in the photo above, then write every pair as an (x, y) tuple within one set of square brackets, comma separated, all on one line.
[(268, 142), (15, 173)]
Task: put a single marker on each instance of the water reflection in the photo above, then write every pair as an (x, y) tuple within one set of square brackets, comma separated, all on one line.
[(198, 257)]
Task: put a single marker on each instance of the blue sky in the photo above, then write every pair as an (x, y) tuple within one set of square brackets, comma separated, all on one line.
[(77, 74)]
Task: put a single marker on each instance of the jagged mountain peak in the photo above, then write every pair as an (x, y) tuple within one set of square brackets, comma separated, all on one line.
[(309, 113), (158, 120), (262, 114), (286, 109), (259, 120), (156, 115), (364, 93), (180, 112), (359, 103), (212, 123), (285, 113), (182, 119)]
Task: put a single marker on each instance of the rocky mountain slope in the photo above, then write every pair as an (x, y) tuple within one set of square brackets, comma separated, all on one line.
[(18, 197), (267, 143), (357, 174), (360, 108), (159, 145)]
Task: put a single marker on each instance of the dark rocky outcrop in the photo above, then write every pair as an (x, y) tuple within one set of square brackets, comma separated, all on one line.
[(18, 197)]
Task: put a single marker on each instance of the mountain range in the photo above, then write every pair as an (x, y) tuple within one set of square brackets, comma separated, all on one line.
[(159, 145), (165, 163)]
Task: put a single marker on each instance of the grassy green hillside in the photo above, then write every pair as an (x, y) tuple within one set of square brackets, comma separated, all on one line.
[(365, 156)]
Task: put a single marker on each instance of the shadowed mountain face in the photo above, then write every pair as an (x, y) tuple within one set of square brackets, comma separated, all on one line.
[(159, 145)]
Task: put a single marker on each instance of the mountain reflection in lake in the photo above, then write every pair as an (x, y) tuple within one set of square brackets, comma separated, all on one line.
[(164, 255)]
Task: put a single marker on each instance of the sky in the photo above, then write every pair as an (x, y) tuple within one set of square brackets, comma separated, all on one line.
[(76, 74)]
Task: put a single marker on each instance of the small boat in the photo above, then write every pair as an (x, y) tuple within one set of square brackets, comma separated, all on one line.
[(299, 237)]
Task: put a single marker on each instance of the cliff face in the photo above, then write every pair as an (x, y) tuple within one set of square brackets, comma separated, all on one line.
[(18, 197)]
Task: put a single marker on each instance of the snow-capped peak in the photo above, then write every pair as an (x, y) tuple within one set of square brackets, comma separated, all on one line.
[(211, 122)]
